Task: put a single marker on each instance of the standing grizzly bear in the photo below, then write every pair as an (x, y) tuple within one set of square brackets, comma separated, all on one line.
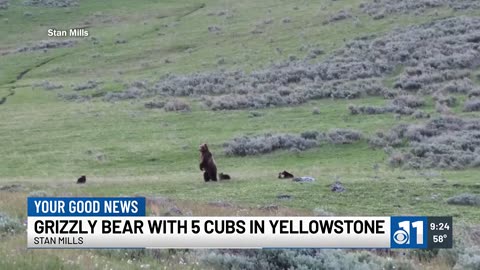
[(207, 164)]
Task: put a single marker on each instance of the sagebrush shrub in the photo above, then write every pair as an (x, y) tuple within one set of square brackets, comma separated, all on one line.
[(262, 144), (155, 104), (214, 29), (446, 100), (472, 105), (47, 45), (396, 159), (465, 199), (410, 101), (48, 85), (74, 97), (255, 114), (131, 93), (38, 193), (344, 136), (442, 108), (267, 143), (474, 93), (439, 56), (444, 142), (401, 110), (85, 86), (419, 114), (382, 7), (311, 135), (339, 16), (469, 259), (9, 225), (176, 105), (300, 259), (51, 3), (3, 4)]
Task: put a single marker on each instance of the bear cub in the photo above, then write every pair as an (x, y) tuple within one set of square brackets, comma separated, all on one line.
[(224, 176), (285, 174), (82, 179)]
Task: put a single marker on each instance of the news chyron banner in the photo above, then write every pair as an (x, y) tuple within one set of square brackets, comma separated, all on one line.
[(122, 223)]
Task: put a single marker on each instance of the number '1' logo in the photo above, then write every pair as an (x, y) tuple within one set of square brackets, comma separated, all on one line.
[(402, 236), (408, 232)]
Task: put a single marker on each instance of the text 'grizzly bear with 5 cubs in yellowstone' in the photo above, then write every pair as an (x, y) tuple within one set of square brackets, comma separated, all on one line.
[(207, 164)]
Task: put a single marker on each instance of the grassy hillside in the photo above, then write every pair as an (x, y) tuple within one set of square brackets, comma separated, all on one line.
[(56, 122)]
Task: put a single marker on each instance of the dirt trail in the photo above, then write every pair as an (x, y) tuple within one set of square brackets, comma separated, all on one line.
[(44, 62), (4, 99), (195, 9), (23, 73)]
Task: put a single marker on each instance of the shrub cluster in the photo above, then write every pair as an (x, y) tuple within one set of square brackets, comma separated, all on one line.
[(75, 97), (378, 9), (85, 86), (130, 93), (469, 259), (48, 44), (265, 100), (176, 105), (48, 85), (3, 4), (442, 108), (253, 114), (403, 105), (474, 93), (51, 3), (472, 105), (155, 104), (437, 56), (38, 193), (8, 225), (462, 86), (379, 110), (419, 114), (214, 29), (393, 138), (343, 136), (314, 53), (444, 142), (446, 100), (410, 101), (267, 143), (339, 16), (299, 259), (219, 13), (465, 199)]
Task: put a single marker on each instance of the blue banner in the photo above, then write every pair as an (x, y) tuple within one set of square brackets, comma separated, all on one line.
[(86, 206), (408, 232)]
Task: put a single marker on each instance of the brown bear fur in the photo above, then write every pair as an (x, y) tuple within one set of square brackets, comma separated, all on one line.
[(285, 174), (224, 176), (207, 164), (82, 179)]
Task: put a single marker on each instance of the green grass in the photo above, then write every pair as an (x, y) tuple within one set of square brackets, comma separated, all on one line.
[(126, 149), (117, 145), (56, 140)]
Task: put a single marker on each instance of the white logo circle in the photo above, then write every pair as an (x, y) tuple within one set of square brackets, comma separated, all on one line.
[(400, 237)]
